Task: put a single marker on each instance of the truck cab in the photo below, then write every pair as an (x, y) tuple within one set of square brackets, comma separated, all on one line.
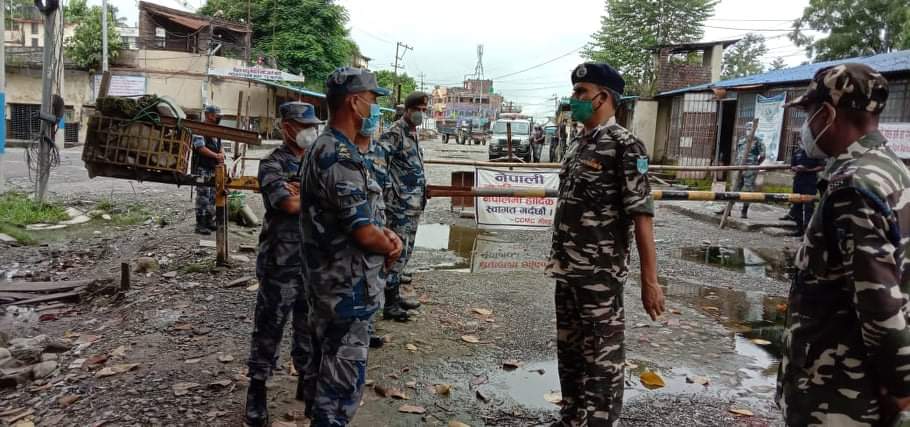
[(521, 138)]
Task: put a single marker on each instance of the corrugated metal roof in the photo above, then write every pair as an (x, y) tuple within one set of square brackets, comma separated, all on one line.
[(891, 62), (292, 89)]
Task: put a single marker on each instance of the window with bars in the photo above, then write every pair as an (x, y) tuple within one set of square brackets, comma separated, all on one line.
[(897, 109), (25, 124)]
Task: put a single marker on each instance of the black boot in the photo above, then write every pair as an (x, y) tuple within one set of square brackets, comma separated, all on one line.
[(257, 408), (376, 341), (210, 222), (201, 226), (408, 304), (745, 213), (392, 309)]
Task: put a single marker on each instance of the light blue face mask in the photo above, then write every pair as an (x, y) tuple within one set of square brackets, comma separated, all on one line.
[(371, 123)]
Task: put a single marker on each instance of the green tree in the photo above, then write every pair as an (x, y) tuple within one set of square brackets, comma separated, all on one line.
[(386, 79), (84, 47), (631, 29), (777, 64), (75, 10), (744, 57), (853, 28), (304, 36)]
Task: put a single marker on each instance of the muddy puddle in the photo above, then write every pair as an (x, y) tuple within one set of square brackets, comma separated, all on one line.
[(477, 250), (753, 322), (755, 262)]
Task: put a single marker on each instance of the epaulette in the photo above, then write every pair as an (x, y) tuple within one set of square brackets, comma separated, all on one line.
[(342, 151)]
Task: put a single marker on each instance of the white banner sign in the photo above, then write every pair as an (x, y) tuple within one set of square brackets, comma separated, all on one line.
[(515, 212), (770, 115), (255, 73), (121, 86), (898, 136)]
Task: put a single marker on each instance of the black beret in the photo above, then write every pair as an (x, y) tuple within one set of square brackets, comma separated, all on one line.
[(415, 99), (599, 74)]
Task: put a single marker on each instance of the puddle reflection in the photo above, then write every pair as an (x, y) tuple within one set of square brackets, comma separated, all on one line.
[(755, 262), (482, 250)]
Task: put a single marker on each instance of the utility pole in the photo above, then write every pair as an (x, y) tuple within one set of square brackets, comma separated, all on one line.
[(422, 87), (398, 57), (53, 58), (104, 36), (2, 91)]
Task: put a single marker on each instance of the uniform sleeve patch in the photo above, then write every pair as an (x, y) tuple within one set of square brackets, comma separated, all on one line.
[(641, 164)]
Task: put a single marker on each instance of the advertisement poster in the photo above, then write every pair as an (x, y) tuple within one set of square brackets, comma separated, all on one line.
[(515, 212), (121, 86), (255, 73), (770, 115), (898, 136)]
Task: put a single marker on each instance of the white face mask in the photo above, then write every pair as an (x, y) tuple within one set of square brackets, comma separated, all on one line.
[(306, 137), (809, 142)]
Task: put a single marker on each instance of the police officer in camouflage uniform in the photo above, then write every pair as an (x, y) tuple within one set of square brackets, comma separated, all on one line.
[(846, 350), (345, 246), (377, 160), (754, 157), (603, 195), (406, 196), (208, 153), (278, 264)]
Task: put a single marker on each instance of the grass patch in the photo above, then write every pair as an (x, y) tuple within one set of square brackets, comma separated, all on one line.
[(130, 215), (697, 184), (19, 210), (198, 267), (777, 188), (20, 234)]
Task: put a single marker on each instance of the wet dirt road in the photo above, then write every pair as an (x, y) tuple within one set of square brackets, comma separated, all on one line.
[(716, 349)]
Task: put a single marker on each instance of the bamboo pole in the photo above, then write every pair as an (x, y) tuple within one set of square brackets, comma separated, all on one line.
[(477, 163)]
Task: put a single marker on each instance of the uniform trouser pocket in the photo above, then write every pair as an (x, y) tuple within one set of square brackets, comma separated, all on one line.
[(342, 370), (280, 296)]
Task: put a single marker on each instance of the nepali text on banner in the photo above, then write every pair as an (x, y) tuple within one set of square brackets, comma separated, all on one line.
[(770, 114), (515, 212)]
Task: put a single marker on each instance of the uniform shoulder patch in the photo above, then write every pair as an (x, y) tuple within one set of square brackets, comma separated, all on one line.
[(641, 164), (343, 152)]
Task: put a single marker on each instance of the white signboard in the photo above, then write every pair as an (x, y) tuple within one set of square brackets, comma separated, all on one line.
[(121, 86), (255, 73), (898, 136), (492, 255), (770, 115), (515, 212)]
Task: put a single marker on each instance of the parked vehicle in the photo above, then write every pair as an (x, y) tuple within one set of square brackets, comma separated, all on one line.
[(448, 129), (521, 138)]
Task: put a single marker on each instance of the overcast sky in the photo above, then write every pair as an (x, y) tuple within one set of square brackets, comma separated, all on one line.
[(516, 35)]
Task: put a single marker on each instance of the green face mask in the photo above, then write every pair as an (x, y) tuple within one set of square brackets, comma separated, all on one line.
[(582, 109)]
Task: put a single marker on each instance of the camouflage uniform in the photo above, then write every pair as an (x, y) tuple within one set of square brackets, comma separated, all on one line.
[(847, 344), (343, 283), (407, 193), (747, 178), (205, 167), (602, 184), (278, 269), (377, 160)]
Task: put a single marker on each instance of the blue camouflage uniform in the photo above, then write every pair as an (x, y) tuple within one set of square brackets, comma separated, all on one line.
[(377, 160), (343, 282), (278, 270), (407, 192), (205, 167), (804, 183)]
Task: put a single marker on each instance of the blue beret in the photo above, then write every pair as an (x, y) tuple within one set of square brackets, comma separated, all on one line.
[(599, 74)]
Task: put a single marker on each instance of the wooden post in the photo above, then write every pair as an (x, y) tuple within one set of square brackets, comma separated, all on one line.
[(221, 214), (736, 174), (124, 276)]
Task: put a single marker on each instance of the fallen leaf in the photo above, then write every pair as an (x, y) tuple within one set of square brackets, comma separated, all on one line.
[(292, 370), (443, 389), (470, 339), (411, 384), (482, 311), (253, 288), (68, 399), (225, 358), (673, 322), (759, 341), (553, 397), (98, 359), (192, 361), (411, 347), (394, 393), (782, 307), (183, 388), (741, 412), (675, 311), (539, 371), (456, 423), (697, 379), (482, 396), (116, 369), (47, 317), (380, 390), (220, 383), (119, 352), (480, 379), (651, 380), (182, 326), (87, 339), (510, 364), (412, 409), (296, 414), (710, 308)]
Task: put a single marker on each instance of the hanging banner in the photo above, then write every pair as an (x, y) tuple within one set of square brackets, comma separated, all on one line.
[(491, 255), (770, 115), (898, 136), (255, 73), (515, 212)]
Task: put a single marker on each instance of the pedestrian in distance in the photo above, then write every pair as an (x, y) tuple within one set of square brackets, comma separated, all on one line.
[(847, 344), (281, 294), (745, 181), (208, 153), (805, 181), (603, 196), (406, 196), (345, 247)]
